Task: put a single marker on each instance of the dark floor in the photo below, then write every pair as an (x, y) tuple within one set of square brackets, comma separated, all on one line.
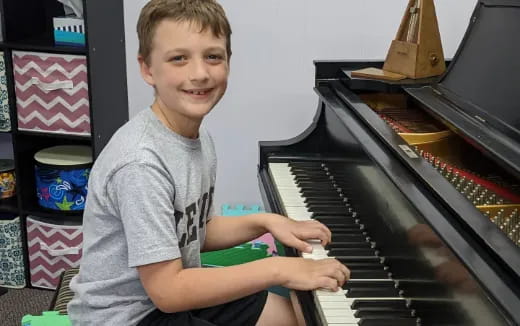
[(17, 303)]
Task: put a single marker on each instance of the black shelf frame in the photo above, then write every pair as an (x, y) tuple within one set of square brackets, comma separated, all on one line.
[(42, 46), (37, 134), (27, 26), (9, 205)]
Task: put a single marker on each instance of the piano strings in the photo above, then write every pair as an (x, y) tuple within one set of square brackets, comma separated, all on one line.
[(492, 195)]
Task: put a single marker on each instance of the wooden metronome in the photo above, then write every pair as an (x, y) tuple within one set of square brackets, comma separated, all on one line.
[(416, 51)]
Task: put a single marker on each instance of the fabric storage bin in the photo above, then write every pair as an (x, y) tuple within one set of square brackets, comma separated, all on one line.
[(53, 248), (51, 93), (12, 270), (5, 119), (7, 179), (62, 176)]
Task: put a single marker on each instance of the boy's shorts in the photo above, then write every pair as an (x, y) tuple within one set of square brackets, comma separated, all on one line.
[(241, 312)]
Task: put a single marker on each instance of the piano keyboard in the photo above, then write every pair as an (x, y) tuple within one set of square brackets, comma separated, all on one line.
[(309, 190)]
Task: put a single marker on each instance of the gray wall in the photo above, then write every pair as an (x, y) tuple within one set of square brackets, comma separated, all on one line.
[(270, 94)]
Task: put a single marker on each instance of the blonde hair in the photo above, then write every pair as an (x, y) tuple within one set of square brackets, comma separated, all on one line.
[(206, 13)]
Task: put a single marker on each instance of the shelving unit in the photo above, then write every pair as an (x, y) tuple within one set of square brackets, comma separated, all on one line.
[(27, 26)]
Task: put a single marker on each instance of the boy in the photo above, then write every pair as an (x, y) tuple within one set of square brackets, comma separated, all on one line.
[(148, 213)]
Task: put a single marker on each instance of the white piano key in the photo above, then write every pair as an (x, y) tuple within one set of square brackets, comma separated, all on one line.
[(341, 319), (331, 298), (339, 313), (332, 306), (326, 293)]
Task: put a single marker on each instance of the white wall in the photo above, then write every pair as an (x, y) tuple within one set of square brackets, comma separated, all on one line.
[(274, 43)]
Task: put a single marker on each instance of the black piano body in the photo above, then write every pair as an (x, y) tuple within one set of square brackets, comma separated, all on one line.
[(423, 159)]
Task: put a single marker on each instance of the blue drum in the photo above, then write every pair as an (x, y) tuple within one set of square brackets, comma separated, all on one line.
[(62, 176)]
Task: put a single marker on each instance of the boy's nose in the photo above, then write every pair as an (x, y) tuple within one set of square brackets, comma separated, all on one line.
[(199, 71)]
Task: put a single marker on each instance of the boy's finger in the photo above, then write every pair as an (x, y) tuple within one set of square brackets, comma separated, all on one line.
[(327, 231), (302, 246)]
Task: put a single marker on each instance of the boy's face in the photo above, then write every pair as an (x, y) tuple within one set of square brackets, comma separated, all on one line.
[(188, 68)]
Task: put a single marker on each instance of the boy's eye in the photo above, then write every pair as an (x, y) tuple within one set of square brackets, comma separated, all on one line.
[(177, 58), (215, 57)]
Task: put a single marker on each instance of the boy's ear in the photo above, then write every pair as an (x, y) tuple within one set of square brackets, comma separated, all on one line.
[(145, 71)]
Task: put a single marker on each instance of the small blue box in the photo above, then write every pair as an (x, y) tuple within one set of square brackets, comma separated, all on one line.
[(69, 31)]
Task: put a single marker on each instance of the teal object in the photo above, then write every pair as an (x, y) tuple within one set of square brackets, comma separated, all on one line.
[(239, 210), (69, 38), (48, 318)]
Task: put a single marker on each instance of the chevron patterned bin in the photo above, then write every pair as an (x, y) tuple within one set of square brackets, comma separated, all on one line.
[(51, 93), (53, 248)]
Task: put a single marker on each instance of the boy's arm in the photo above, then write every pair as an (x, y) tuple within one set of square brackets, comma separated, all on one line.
[(173, 289), (226, 232)]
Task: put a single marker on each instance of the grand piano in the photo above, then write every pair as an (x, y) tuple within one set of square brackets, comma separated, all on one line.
[(419, 182)]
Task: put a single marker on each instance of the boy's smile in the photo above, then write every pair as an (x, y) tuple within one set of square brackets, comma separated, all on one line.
[(189, 70)]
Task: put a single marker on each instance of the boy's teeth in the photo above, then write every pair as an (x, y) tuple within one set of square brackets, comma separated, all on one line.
[(197, 92)]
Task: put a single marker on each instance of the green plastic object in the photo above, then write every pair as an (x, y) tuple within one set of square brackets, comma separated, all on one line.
[(48, 318), (243, 253)]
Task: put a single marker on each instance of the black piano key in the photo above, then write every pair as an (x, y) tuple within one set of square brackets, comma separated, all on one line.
[(306, 164), (345, 219), (302, 176), (418, 288), (315, 214), (327, 207), (326, 201), (401, 321), (333, 211), (408, 267), (320, 193), (315, 199), (360, 259), (372, 292), (349, 238), (316, 186), (383, 313), (352, 252), (439, 305), (340, 244), (367, 273), (379, 304), (306, 185), (438, 311), (348, 231), (365, 266), (339, 228), (376, 284), (312, 170)]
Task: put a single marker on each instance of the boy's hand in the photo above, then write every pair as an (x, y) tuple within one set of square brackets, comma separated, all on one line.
[(307, 274), (294, 233)]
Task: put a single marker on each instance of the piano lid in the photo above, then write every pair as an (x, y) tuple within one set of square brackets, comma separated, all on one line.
[(480, 92)]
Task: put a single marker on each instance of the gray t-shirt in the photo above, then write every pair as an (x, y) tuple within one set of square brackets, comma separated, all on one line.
[(150, 196)]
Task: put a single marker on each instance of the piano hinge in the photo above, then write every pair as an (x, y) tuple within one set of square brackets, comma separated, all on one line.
[(436, 91), (480, 119), (408, 151)]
